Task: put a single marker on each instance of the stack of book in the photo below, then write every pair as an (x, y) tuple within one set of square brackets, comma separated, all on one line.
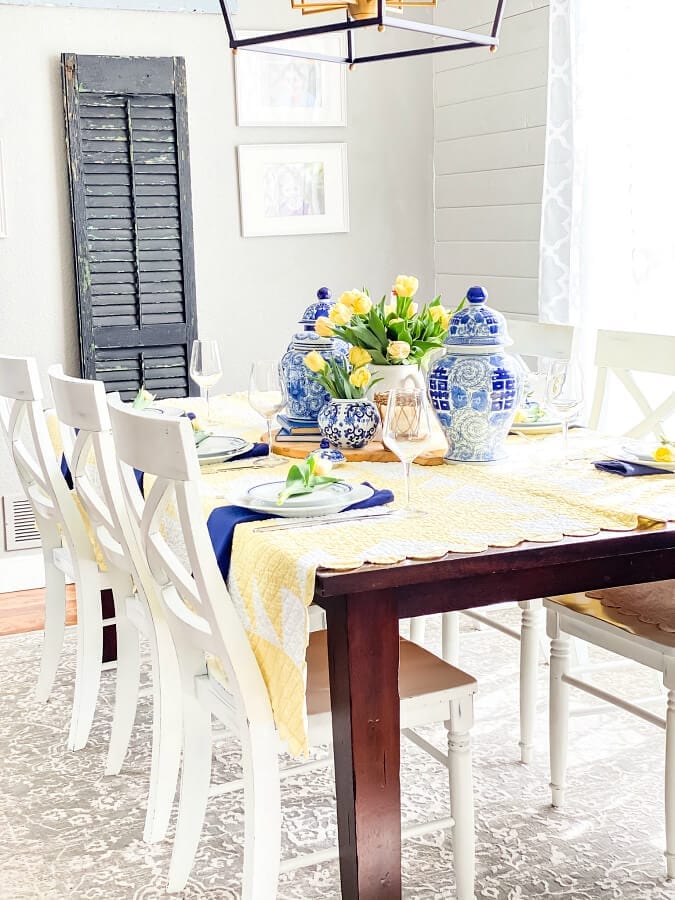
[(294, 430)]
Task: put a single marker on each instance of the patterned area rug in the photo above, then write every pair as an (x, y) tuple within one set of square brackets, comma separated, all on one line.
[(66, 831)]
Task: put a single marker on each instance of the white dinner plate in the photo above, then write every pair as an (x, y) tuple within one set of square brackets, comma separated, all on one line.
[(641, 452), (266, 494), (164, 410), (358, 493), (219, 447)]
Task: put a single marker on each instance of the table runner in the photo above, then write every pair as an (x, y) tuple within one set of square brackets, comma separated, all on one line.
[(529, 496)]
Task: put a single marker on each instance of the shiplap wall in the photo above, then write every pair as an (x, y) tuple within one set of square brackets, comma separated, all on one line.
[(490, 114)]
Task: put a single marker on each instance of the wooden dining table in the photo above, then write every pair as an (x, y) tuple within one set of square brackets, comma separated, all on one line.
[(363, 608)]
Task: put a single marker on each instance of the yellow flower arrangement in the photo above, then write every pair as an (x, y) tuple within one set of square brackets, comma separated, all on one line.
[(395, 331), (346, 379), (665, 453)]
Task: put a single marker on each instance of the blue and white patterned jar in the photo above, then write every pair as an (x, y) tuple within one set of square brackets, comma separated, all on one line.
[(474, 386), (306, 396), (349, 424)]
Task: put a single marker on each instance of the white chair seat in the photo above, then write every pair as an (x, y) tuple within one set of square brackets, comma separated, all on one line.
[(643, 610)]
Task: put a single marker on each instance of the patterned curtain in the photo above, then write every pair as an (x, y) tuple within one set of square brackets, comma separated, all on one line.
[(607, 255)]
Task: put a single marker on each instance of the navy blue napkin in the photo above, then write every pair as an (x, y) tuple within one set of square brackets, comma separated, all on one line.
[(224, 519), (625, 467)]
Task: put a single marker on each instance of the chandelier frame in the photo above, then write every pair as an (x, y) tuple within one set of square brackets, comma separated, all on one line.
[(462, 40)]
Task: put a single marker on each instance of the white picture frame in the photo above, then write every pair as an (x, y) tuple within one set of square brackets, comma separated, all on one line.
[(293, 189), (3, 212), (274, 90)]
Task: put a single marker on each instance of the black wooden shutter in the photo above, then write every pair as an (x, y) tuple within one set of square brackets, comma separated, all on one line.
[(127, 136)]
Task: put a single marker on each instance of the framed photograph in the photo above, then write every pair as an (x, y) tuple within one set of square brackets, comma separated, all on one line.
[(293, 189), (287, 90)]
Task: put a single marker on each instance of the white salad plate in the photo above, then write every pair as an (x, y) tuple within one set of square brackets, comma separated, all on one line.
[(220, 447), (641, 452), (164, 410), (331, 502), (543, 427)]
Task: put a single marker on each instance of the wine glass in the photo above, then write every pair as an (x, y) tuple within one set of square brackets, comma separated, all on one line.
[(205, 368), (266, 396), (564, 394), (407, 429)]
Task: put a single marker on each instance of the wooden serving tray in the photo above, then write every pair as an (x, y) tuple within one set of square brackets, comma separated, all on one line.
[(375, 451)]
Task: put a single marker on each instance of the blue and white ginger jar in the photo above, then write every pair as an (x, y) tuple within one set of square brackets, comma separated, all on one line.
[(474, 386), (305, 395), (349, 424)]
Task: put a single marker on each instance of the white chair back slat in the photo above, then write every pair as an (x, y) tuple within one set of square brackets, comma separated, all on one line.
[(37, 466), (621, 355), (82, 409), (540, 338), (199, 607)]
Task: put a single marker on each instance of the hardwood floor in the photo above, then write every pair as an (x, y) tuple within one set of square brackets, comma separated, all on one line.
[(23, 611)]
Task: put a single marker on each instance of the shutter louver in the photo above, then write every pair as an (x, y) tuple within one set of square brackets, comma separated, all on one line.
[(127, 134)]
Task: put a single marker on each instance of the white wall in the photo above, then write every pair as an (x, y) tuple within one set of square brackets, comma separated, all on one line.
[(490, 114), (251, 291)]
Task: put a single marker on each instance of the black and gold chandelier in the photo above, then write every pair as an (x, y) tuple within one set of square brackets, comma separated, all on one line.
[(358, 15)]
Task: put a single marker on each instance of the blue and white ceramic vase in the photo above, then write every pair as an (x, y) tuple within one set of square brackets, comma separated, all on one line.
[(306, 396), (474, 386), (349, 424)]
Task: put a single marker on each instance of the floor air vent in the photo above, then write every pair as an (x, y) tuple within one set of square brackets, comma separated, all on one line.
[(20, 530)]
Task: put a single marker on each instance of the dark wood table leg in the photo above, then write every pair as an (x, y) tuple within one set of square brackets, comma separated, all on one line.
[(363, 658), (109, 631)]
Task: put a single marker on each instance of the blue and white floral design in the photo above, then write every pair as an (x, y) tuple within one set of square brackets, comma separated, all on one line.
[(349, 423), (475, 388)]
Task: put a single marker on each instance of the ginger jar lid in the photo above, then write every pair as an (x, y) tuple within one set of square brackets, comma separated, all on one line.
[(320, 307), (477, 324)]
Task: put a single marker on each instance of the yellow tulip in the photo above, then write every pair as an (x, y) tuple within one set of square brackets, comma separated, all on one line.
[(406, 285), (437, 313), (340, 314), (412, 309), (362, 304), (349, 298), (359, 357), (445, 321), (323, 327), (390, 307), (315, 362), (322, 466), (359, 377), (664, 454), (398, 350)]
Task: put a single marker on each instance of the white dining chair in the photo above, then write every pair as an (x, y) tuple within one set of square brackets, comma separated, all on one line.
[(618, 619), (531, 339), (67, 550), (221, 677), (82, 410)]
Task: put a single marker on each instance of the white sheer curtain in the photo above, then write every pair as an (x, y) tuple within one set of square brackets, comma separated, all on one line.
[(607, 254)]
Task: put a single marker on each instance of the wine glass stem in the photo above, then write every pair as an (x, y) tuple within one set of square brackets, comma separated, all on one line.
[(407, 470), (566, 454), (269, 437), (208, 405)]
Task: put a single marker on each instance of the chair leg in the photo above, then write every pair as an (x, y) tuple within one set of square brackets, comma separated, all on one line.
[(262, 815), (461, 795), (450, 638), (55, 625), (558, 709), (529, 661), (669, 682), (417, 630), (89, 652), (127, 683), (194, 786), (167, 724)]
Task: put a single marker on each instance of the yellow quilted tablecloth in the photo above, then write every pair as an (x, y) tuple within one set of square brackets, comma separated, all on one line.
[(528, 497)]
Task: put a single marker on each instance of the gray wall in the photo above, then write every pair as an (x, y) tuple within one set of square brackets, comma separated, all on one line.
[(251, 291), (490, 115)]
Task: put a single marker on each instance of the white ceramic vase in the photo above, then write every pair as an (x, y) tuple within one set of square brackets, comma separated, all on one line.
[(395, 377)]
